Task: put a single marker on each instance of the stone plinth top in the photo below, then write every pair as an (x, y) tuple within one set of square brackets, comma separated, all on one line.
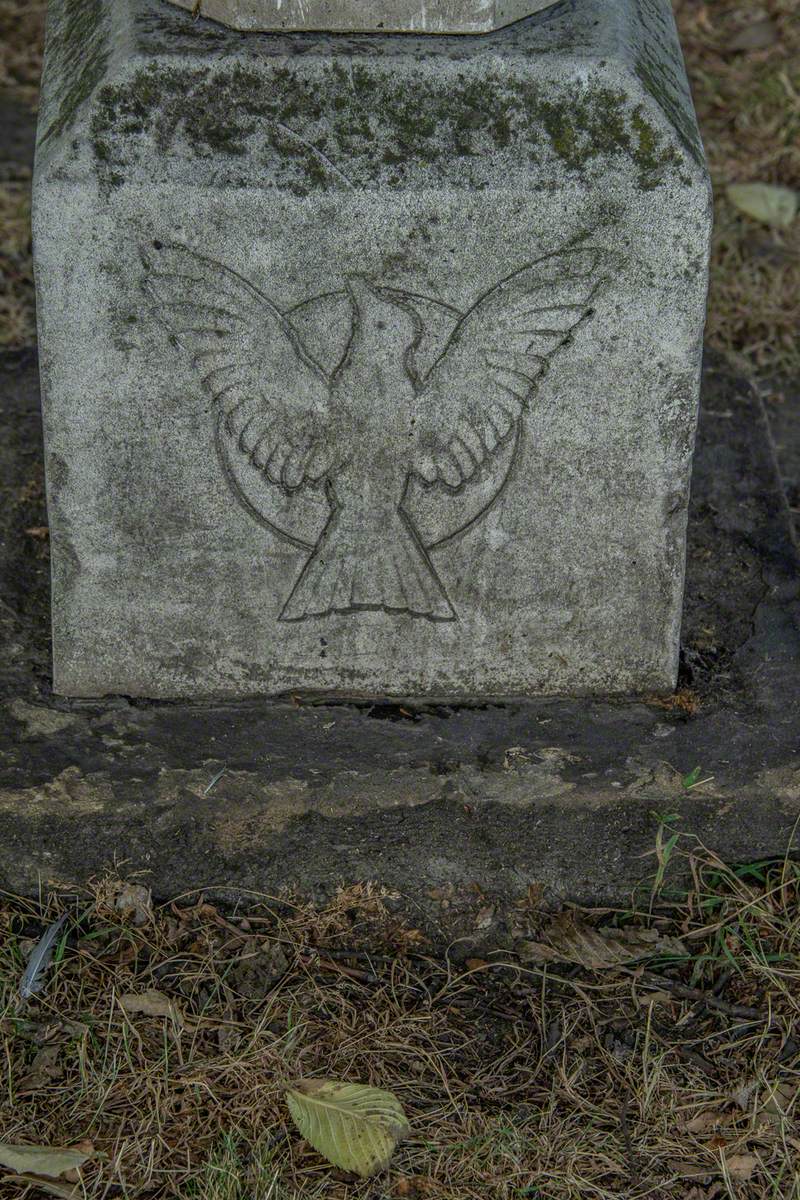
[(364, 16)]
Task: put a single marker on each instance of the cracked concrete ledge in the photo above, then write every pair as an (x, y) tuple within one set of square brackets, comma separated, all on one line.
[(557, 792)]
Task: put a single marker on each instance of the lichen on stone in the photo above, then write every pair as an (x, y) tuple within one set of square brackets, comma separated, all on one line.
[(77, 53), (655, 80), (362, 123)]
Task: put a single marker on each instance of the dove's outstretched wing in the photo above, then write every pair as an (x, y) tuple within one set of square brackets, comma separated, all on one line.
[(484, 379), (274, 398)]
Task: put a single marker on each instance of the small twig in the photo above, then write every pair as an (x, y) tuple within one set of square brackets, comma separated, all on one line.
[(633, 1177), (722, 982), (361, 955), (327, 964), (690, 993), (691, 1056)]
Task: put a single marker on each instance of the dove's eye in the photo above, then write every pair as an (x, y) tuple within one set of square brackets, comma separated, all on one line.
[(380, 324)]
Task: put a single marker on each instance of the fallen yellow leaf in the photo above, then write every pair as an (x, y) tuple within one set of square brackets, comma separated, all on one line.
[(151, 1004), (354, 1126)]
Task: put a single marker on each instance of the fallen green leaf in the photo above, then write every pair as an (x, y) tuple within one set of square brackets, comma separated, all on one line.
[(757, 36), (51, 1161), (767, 202), (355, 1127)]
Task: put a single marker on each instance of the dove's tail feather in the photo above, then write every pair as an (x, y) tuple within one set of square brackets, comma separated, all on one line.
[(378, 567)]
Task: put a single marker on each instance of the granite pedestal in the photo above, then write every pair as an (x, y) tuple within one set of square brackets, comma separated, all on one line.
[(369, 364)]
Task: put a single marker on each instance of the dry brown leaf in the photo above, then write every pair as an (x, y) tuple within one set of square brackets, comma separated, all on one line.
[(571, 940), (44, 1069), (484, 918), (475, 964), (741, 1166), (135, 901), (705, 1121), (151, 1004)]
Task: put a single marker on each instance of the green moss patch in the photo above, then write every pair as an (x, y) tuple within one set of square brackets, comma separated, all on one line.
[(313, 129), (78, 51)]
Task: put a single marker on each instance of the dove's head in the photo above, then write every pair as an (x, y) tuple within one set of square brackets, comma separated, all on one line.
[(380, 319)]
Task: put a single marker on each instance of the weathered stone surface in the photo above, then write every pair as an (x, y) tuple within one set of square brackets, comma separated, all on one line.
[(369, 364), (352, 16)]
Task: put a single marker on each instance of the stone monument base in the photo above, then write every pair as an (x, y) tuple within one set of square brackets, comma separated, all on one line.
[(370, 363)]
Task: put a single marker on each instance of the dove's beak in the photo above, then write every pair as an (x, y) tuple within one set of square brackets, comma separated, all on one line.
[(361, 291)]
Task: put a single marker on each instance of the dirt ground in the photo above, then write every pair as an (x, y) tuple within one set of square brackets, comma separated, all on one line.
[(652, 1051)]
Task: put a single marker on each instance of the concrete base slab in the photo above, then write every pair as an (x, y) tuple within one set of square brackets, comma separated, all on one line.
[(430, 800)]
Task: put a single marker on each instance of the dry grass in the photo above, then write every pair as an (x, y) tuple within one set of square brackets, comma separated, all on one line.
[(521, 1080), (748, 105), (21, 38), (17, 308)]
